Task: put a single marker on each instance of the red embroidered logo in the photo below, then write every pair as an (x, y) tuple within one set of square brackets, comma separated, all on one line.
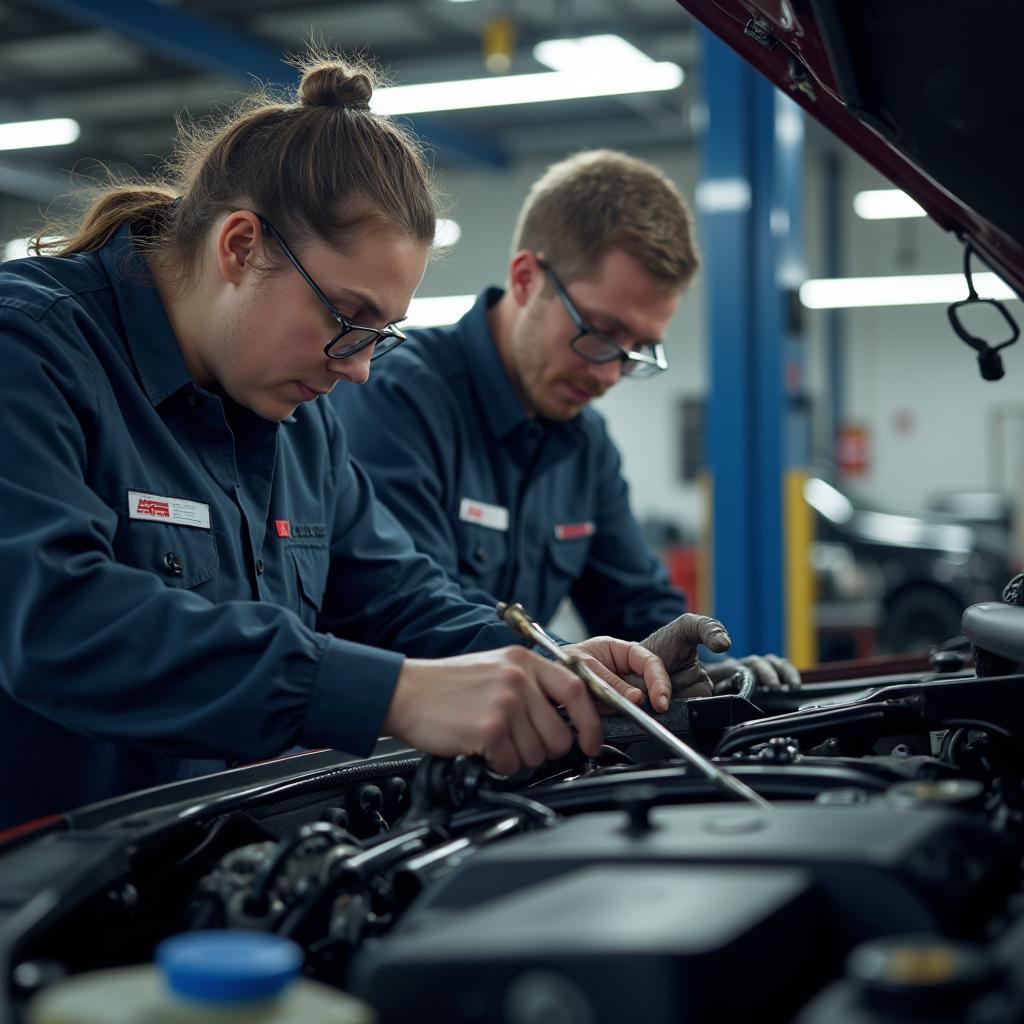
[(283, 527), (149, 507)]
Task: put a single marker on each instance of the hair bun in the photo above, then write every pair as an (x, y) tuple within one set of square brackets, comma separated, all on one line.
[(334, 85)]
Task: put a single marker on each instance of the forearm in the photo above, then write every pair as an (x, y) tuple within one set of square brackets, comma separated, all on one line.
[(109, 651)]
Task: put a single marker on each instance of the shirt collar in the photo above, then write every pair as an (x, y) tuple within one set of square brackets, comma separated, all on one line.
[(503, 410), (148, 332)]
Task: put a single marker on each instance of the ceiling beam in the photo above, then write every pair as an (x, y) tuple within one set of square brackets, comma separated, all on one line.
[(179, 35), (206, 45)]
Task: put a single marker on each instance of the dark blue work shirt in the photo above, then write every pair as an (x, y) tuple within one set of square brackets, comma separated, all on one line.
[(513, 507), (172, 564)]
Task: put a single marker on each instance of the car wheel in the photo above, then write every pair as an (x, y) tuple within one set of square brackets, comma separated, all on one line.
[(918, 617)]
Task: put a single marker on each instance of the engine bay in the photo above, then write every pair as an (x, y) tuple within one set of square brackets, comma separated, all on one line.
[(882, 883)]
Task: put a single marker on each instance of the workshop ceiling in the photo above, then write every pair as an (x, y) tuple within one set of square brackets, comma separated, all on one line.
[(124, 69)]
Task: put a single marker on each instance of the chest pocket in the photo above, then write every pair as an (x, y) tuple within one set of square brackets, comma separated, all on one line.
[(181, 556), (482, 552), (568, 557), (312, 563)]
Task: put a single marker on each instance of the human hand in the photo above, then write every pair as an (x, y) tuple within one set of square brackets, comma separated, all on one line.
[(498, 704), (676, 644), (771, 672), (613, 659)]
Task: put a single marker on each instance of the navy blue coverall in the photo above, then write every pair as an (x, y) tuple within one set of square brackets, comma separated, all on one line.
[(515, 508), (172, 564)]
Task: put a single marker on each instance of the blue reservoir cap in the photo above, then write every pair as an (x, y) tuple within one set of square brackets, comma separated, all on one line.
[(228, 966)]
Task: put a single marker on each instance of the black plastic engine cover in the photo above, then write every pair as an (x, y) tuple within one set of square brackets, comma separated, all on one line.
[(881, 868), (645, 919), (603, 945)]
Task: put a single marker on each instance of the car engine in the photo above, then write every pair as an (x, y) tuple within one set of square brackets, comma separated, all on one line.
[(883, 882)]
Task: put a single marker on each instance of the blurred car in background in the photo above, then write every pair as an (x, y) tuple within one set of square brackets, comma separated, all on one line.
[(885, 582), (908, 578), (990, 512)]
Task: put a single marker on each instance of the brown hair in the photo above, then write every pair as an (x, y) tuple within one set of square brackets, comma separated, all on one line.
[(599, 200), (316, 168)]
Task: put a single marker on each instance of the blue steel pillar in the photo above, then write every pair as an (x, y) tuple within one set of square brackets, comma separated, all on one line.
[(747, 200), (834, 352)]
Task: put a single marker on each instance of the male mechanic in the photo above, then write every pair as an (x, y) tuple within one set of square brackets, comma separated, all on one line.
[(480, 437)]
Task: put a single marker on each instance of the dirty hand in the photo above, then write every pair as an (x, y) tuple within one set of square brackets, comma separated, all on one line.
[(676, 644), (771, 672)]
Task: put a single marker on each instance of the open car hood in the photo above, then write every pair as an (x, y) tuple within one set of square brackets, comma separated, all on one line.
[(927, 93)]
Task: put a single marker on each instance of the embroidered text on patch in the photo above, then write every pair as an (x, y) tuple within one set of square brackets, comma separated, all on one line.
[(494, 517), (308, 530), (159, 508), (149, 507)]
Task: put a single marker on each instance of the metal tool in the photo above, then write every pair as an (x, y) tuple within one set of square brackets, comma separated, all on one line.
[(516, 616)]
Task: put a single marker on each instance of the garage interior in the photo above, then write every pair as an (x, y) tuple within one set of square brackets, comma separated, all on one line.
[(823, 468)]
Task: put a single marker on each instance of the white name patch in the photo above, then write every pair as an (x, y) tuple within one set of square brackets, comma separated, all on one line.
[(494, 517), (158, 509)]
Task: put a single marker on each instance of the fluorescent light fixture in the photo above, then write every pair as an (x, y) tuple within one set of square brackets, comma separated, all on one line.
[(723, 195), (592, 54), (510, 90), (437, 310), (905, 290), (53, 131), (885, 204), (446, 234)]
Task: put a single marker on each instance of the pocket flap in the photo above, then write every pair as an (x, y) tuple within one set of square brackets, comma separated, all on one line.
[(481, 550), (569, 555), (311, 567)]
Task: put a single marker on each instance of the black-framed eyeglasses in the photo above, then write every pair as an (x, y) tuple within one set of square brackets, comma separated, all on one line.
[(644, 360), (357, 336)]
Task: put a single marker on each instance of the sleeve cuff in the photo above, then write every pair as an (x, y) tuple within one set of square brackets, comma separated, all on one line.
[(351, 695)]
